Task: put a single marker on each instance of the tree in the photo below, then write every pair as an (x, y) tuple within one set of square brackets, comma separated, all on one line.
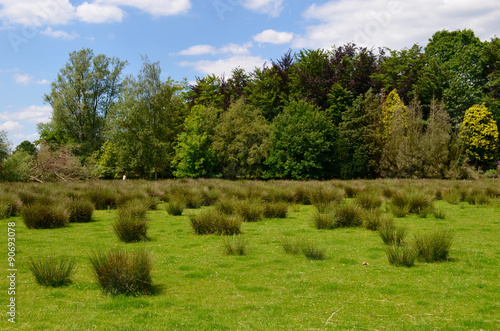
[(17, 167), (26, 146), (4, 146), (479, 136), (106, 161), (81, 97), (392, 106), (194, 155), (145, 122), (492, 87), (241, 141), (304, 144)]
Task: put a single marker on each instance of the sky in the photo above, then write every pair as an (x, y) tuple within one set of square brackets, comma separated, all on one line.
[(194, 38)]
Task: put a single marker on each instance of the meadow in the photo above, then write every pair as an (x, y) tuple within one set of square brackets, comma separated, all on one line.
[(257, 273)]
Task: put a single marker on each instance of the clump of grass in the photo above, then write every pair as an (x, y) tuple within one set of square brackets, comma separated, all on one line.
[(235, 245), (368, 199), (103, 198), (42, 216), (348, 215), (27, 197), (175, 207), (373, 219), (452, 196), (80, 210), (249, 211), (351, 190), (477, 198), (52, 271), (136, 208), (118, 272), (10, 205), (325, 221), (210, 221), (131, 224), (410, 201), (401, 256), (321, 195), (312, 251), (434, 246), (226, 206), (439, 213), (392, 234), (290, 246), (276, 210)]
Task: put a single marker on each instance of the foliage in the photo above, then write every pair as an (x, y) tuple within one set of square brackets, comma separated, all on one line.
[(17, 167), (250, 211), (131, 224), (119, 272), (52, 271), (4, 146), (479, 135), (303, 144), (348, 215), (26, 146), (241, 141), (275, 210), (175, 207), (311, 250)]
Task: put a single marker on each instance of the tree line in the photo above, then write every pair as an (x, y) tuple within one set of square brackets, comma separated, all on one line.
[(346, 112)]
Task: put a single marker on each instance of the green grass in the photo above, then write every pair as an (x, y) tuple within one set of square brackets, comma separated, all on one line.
[(200, 288)]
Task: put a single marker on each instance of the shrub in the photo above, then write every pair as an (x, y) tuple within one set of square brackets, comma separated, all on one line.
[(131, 228), (52, 271), (434, 246), (175, 207), (80, 210), (290, 246), (212, 222), (401, 255), (103, 198), (136, 208), (369, 199), (399, 211), (276, 210), (27, 197), (42, 216), (351, 190), (348, 216), (392, 234), (373, 219), (10, 205), (410, 201), (226, 206), (477, 198), (235, 245), (249, 211), (325, 221), (312, 251), (119, 272)]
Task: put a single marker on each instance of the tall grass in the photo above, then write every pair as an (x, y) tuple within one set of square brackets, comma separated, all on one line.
[(41, 216), (131, 224), (80, 210), (119, 272), (52, 271), (434, 246), (235, 245), (401, 256), (210, 221)]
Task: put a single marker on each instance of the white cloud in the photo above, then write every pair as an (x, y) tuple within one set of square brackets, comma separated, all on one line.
[(25, 79), (394, 24), (59, 34), (234, 49), (42, 82), (225, 66), (29, 137), (271, 7), (37, 12), (273, 37), (32, 114), (11, 126), (96, 13), (154, 7)]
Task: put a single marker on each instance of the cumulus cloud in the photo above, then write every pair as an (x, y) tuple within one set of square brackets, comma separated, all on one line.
[(32, 114), (154, 7), (234, 49), (96, 13), (273, 37), (225, 66), (59, 34), (42, 82), (25, 79), (272, 8), (11, 126), (394, 24), (37, 12)]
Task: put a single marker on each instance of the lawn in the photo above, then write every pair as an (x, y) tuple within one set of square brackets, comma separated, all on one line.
[(200, 287)]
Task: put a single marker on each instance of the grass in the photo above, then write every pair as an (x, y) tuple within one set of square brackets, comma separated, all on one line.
[(434, 246), (41, 216), (52, 271), (267, 289), (235, 245)]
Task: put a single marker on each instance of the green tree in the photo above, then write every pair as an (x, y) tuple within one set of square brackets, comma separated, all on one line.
[(17, 167), (492, 87), (81, 97), (194, 155), (241, 141), (479, 136), (26, 146), (304, 144), (4, 146), (106, 161), (145, 122)]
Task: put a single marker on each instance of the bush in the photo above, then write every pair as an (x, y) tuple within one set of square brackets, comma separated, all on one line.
[(312, 251), (410, 201), (401, 255), (373, 219), (80, 211), (434, 246), (136, 208), (236, 245), (10, 205), (119, 272), (226, 206), (351, 191), (175, 207), (52, 271), (348, 216), (392, 234), (131, 228), (212, 222), (325, 221), (276, 210), (249, 211), (452, 196), (368, 199), (103, 198), (42, 216), (477, 198), (290, 246)]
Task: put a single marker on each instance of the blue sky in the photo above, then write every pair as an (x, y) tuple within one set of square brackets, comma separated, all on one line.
[(197, 37)]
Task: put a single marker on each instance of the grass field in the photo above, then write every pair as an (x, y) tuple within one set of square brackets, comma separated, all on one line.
[(200, 287)]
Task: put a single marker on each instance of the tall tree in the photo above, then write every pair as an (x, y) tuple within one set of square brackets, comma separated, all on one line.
[(4, 146), (145, 122), (81, 97)]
